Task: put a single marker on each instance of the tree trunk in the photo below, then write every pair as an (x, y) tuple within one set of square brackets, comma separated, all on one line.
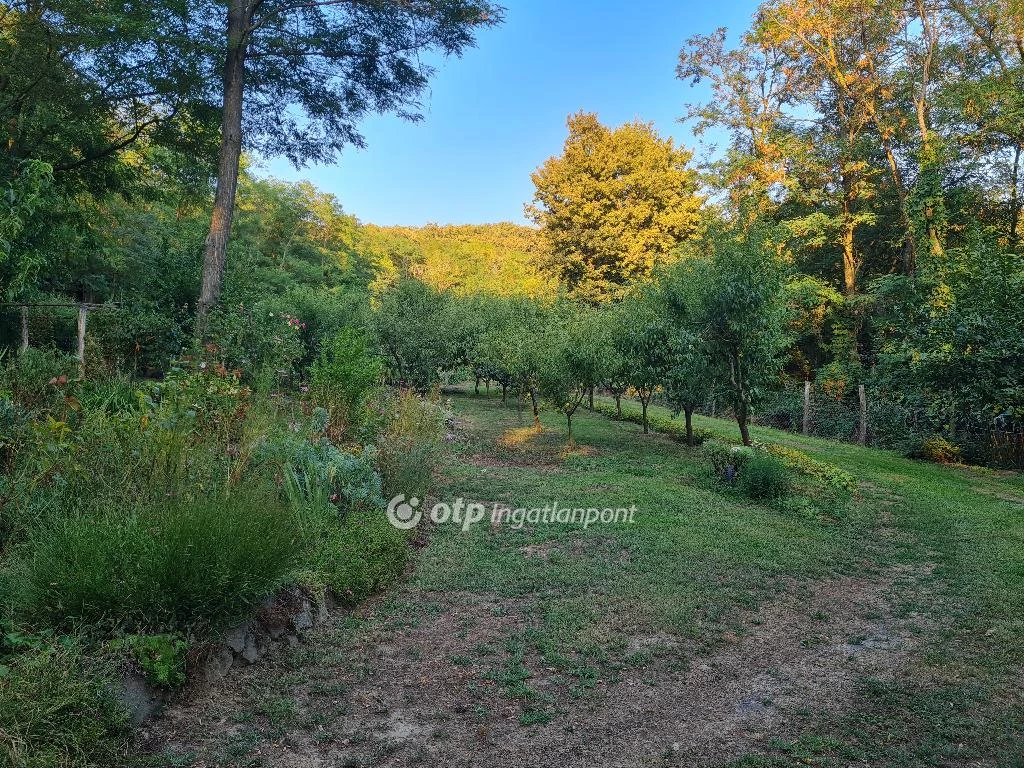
[(742, 416), (741, 419), (568, 421), (643, 408), (849, 253), (215, 253), (536, 410), (504, 394), (1015, 204), (688, 412), (476, 387), (591, 394), (618, 405)]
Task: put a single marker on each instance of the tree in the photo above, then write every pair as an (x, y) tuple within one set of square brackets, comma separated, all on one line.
[(409, 323), (690, 375), (575, 347), (640, 339), (299, 74), (737, 306), (614, 205)]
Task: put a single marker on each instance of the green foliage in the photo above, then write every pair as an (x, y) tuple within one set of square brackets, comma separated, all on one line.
[(409, 443), (726, 461), (56, 709), (176, 565), (576, 348), (343, 377), (160, 657), (413, 325), (826, 477), (764, 477), (732, 303), (490, 259), (362, 555), (38, 378), (613, 206)]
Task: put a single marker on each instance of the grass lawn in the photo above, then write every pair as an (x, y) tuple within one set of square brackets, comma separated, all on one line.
[(713, 630)]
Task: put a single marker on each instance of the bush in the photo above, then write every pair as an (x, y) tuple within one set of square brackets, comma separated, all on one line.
[(721, 456), (827, 479), (764, 477), (180, 565), (57, 710), (939, 450), (342, 378), (409, 442), (362, 555)]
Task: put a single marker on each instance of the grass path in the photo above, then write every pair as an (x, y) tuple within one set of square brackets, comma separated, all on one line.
[(712, 631)]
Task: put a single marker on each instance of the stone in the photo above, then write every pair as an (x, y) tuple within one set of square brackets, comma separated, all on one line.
[(137, 696), (218, 664), (237, 638)]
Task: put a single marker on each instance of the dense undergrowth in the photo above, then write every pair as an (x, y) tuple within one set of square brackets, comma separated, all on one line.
[(139, 519)]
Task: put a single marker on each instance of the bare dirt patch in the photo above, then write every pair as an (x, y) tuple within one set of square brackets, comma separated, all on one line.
[(413, 690)]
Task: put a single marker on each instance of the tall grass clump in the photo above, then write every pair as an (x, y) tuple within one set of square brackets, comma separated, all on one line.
[(191, 565), (56, 711)]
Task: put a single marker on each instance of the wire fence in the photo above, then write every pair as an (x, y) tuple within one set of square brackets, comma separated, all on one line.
[(884, 420)]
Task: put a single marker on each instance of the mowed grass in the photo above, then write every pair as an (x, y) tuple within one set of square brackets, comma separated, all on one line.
[(694, 556), (698, 557)]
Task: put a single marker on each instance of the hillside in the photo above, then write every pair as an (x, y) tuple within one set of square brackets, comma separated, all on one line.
[(499, 258)]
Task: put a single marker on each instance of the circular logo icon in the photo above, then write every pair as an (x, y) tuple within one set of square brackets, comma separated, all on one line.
[(402, 514)]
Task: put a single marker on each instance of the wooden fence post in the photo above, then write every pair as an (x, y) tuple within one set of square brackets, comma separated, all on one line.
[(862, 432), (24, 328), (83, 313), (807, 407)]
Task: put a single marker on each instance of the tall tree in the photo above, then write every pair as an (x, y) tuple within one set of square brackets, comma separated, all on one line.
[(299, 74), (615, 204)]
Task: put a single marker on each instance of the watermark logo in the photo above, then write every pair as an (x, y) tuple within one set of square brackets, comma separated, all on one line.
[(406, 515), (403, 514)]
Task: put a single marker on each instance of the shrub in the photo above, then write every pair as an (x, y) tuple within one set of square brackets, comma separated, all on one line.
[(939, 450), (409, 442), (362, 554), (342, 378), (181, 565), (827, 478), (57, 710), (764, 477), (721, 456)]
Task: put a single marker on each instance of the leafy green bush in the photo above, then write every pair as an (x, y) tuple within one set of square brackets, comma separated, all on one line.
[(180, 565), (721, 456), (56, 710), (342, 378), (764, 477), (362, 554), (826, 478)]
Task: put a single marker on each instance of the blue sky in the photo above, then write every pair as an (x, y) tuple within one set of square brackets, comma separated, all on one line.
[(493, 116)]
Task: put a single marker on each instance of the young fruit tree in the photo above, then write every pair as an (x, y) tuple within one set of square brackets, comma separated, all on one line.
[(576, 349), (641, 344), (736, 305)]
